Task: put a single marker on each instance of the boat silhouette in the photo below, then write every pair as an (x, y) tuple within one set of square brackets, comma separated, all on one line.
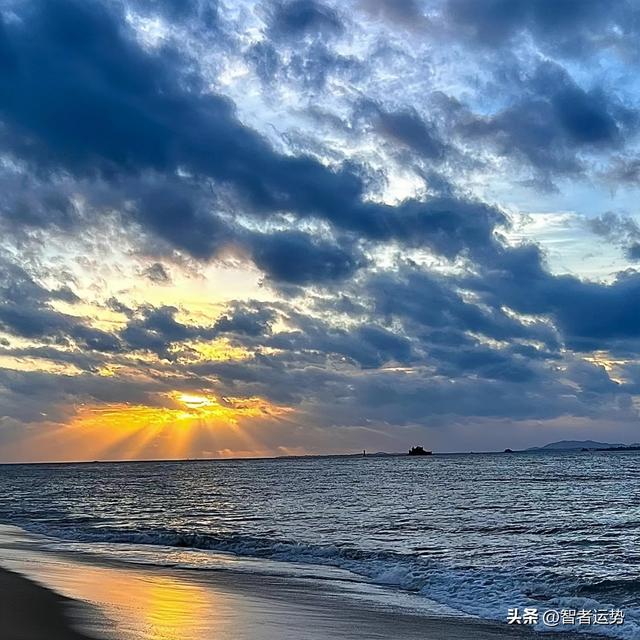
[(419, 451)]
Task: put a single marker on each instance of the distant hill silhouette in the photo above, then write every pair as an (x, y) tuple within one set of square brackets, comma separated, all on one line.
[(564, 445)]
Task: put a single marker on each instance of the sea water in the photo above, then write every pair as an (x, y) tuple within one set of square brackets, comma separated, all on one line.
[(479, 533)]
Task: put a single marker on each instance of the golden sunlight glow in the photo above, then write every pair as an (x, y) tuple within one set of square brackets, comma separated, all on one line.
[(193, 401), (29, 363), (183, 407), (220, 350), (611, 365), (181, 425), (100, 317)]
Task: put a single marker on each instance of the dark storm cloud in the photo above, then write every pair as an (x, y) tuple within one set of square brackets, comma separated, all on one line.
[(430, 302), (206, 11), (554, 122), (411, 335), (94, 339), (445, 224), (589, 315), (407, 128), (305, 66), (115, 305), (25, 304), (265, 59), (90, 362), (246, 319), (297, 258), (633, 251), (335, 374), (417, 395), (156, 329), (614, 227), (77, 93), (27, 204), (33, 322), (493, 364), (369, 346), (178, 216), (624, 171), (283, 379), (18, 287), (41, 322), (390, 396), (317, 63)]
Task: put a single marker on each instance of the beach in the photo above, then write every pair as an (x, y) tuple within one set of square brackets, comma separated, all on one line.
[(61, 596), (31, 612)]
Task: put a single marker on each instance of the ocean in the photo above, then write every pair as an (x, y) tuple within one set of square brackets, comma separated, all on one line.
[(479, 533)]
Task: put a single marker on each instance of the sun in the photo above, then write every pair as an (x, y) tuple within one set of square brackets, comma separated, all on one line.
[(193, 401)]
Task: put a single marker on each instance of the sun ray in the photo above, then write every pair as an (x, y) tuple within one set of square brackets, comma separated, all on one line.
[(181, 425)]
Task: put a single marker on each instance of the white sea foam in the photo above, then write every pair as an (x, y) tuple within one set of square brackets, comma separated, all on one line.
[(483, 593)]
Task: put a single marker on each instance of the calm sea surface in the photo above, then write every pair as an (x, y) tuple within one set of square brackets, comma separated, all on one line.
[(480, 533)]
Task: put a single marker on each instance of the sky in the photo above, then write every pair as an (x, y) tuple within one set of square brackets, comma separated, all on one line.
[(300, 226)]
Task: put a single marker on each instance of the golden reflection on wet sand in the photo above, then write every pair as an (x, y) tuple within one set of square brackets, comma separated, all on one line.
[(137, 604)]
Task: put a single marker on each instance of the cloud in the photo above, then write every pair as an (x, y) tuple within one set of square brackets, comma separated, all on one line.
[(26, 310), (36, 396), (265, 59), (623, 171), (247, 320), (157, 273), (524, 285), (554, 124), (407, 13), (407, 128), (567, 28), (432, 302), (205, 11), (366, 159), (297, 258), (619, 230), (633, 251), (128, 111), (296, 18), (155, 329), (369, 346)]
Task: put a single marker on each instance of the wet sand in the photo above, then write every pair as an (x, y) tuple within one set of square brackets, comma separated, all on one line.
[(121, 601), (30, 612)]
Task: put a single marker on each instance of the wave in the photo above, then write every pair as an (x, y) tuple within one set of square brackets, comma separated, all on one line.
[(625, 591), (484, 592)]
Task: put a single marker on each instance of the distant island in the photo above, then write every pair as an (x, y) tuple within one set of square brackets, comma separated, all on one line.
[(566, 445)]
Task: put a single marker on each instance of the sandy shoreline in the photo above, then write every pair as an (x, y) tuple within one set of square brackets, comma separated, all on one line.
[(141, 602)]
